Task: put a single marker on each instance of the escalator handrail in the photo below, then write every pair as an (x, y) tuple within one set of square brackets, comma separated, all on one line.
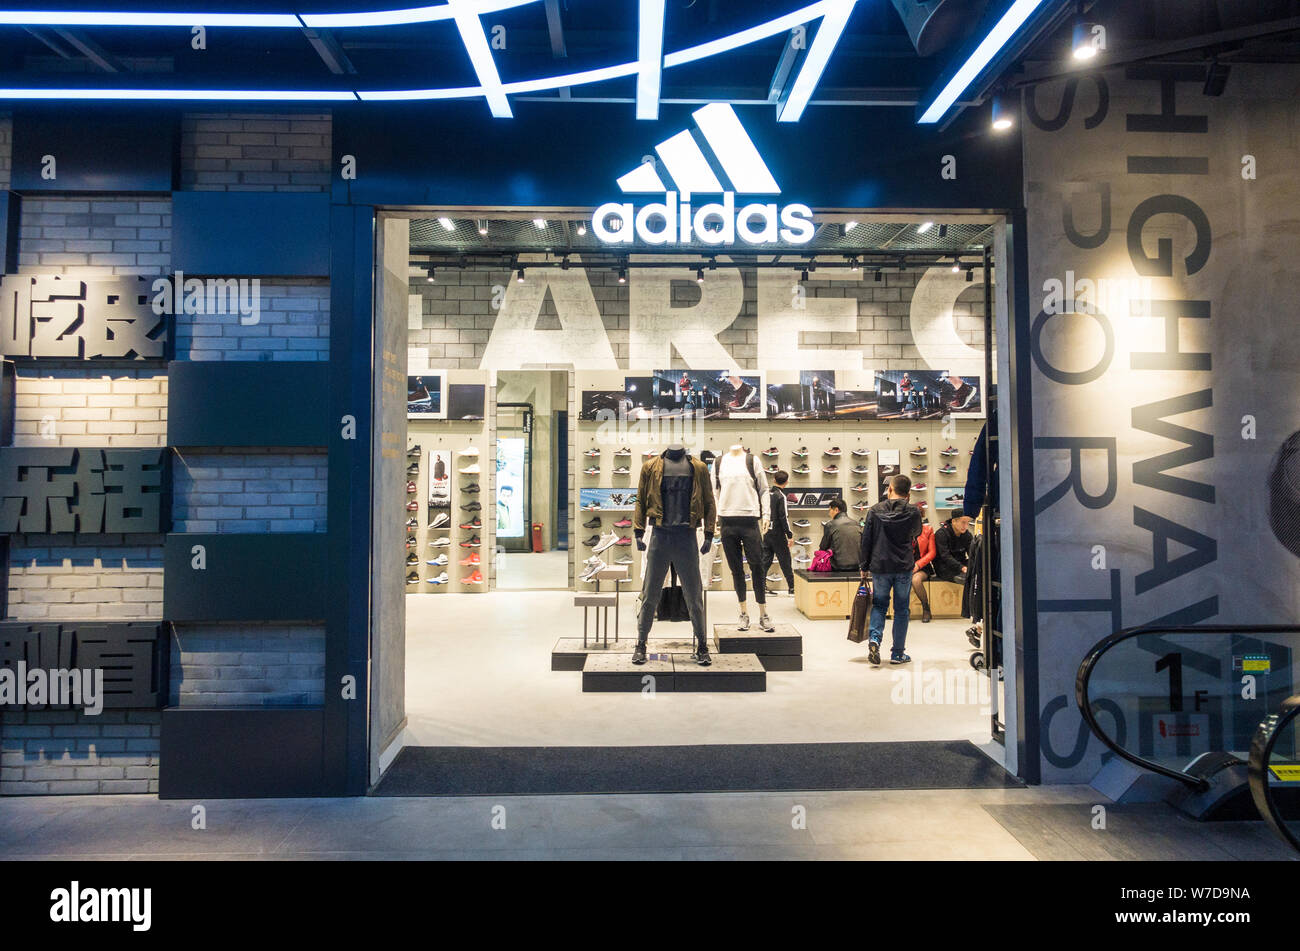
[(1261, 748), (1084, 675)]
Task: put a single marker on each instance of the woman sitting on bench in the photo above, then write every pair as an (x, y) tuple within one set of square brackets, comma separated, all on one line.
[(923, 570)]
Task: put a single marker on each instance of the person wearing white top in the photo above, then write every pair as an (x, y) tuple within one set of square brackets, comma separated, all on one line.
[(744, 513)]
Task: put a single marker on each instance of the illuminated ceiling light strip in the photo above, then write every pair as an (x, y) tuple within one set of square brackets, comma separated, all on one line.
[(584, 77), (443, 11), (167, 95), (572, 79), (101, 18), (429, 14), (650, 57), (735, 150), (724, 44), (686, 164), (998, 37), (480, 55), (814, 64), (399, 95)]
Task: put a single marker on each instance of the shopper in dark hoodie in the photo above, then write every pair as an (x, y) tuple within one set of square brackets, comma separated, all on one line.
[(886, 553)]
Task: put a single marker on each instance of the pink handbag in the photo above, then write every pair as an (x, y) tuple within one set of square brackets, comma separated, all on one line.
[(821, 561)]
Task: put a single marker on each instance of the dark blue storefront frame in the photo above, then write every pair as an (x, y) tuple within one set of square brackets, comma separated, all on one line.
[(550, 156)]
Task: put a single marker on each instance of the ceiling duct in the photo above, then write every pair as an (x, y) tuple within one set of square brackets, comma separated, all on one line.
[(934, 25)]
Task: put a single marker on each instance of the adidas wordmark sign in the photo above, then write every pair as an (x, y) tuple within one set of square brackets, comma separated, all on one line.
[(691, 171)]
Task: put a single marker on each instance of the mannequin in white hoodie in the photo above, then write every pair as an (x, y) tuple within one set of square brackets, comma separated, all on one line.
[(744, 514)]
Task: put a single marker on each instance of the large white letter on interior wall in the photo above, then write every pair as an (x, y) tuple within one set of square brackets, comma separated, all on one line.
[(787, 311), (516, 341), (934, 328), (656, 326)]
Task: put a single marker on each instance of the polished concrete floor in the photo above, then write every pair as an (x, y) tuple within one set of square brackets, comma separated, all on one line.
[(478, 674), (531, 570), (900, 825)]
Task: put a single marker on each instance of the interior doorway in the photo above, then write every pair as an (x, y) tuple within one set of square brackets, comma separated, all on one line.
[(532, 480), (562, 378)]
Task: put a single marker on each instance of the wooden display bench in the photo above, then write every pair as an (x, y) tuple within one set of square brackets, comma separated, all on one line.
[(828, 595), (825, 595)]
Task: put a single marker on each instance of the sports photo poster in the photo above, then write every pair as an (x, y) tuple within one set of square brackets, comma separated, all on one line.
[(425, 395), (927, 394), (440, 475), (606, 500), (707, 394)]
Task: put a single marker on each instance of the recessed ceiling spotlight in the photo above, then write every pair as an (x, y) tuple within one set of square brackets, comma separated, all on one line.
[(432, 278), (482, 226), (956, 266), (519, 276), (1003, 112), (1085, 39), (582, 230), (447, 224), (853, 265), (539, 223), (803, 275), (699, 275), (880, 275), (924, 226), (943, 231), (622, 275), (970, 274)]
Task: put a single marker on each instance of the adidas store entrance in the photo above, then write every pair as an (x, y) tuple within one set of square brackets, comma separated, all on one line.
[(557, 360)]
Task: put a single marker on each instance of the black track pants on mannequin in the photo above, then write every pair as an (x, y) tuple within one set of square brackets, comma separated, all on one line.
[(742, 534), (675, 547)]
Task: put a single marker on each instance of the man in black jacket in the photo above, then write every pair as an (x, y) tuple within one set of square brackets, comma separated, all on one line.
[(952, 549), (841, 536), (777, 540), (886, 553)]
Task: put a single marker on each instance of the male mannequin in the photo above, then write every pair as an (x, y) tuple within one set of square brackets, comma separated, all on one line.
[(744, 513), (674, 496)]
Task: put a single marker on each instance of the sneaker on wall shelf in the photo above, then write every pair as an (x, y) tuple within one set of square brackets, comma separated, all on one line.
[(921, 468), (439, 561), (443, 542), (861, 470), (950, 451), (440, 579), (918, 451), (622, 470), (591, 470), (471, 469), (801, 470), (833, 451), (471, 543), (471, 489), (474, 577), (948, 470), (861, 453), (470, 560), (592, 523), (623, 452), (623, 523), (592, 453), (919, 487), (413, 578), (470, 451)]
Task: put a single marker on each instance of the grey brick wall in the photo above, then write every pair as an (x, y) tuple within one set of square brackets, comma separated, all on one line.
[(457, 317), (248, 665), (293, 324), (117, 577), (83, 406), (95, 237), (65, 753), (249, 491), (255, 152)]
